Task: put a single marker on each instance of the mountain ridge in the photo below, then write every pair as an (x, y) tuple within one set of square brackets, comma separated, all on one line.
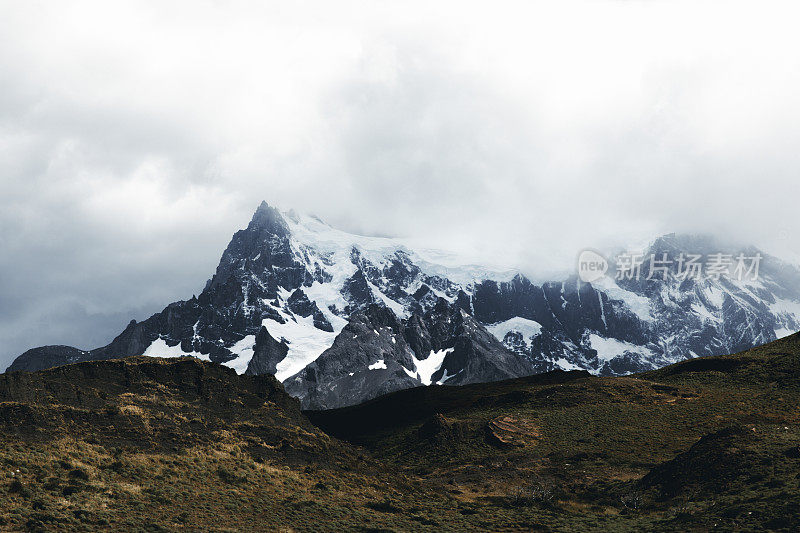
[(287, 286)]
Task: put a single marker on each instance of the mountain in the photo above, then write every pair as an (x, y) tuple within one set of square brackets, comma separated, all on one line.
[(342, 318), (353, 370)]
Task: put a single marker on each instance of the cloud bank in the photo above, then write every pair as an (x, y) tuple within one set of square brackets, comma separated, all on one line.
[(135, 138)]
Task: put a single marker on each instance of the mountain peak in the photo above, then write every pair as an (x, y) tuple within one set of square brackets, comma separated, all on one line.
[(268, 218)]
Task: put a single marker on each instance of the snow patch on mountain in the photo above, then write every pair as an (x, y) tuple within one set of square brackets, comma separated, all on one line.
[(426, 368), (528, 328), (334, 246), (714, 295), (786, 307), (447, 376), (787, 315), (305, 343), (327, 296), (639, 305), (703, 312), (609, 348), (563, 364), (160, 348), (378, 365), (244, 352)]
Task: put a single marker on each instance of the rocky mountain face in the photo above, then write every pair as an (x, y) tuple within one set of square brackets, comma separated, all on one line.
[(377, 353), (341, 318)]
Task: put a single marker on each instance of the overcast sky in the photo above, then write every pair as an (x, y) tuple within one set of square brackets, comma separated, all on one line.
[(135, 138)]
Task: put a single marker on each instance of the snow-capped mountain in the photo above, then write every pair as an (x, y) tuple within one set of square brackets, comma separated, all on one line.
[(341, 318)]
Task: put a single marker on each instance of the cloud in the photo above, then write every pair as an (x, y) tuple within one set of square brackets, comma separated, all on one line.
[(136, 138)]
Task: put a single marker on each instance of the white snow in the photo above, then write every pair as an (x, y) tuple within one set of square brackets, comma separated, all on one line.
[(445, 377), (787, 313), (528, 328), (410, 373), (311, 235), (305, 343), (639, 305), (244, 352), (704, 313), (325, 295), (609, 348), (602, 308), (426, 368), (563, 364), (457, 268), (379, 365), (160, 348), (326, 240), (714, 295), (786, 307)]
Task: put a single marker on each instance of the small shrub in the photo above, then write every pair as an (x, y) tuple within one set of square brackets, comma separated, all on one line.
[(16, 487), (537, 492), (229, 476), (385, 506), (70, 490), (633, 500), (79, 473)]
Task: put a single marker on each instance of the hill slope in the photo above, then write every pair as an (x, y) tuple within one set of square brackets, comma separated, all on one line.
[(708, 443), (180, 444), (144, 444)]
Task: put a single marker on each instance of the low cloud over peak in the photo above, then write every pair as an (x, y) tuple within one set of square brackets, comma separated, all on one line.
[(134, 140)]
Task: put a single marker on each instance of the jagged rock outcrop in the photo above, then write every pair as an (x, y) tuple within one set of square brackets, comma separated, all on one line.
[(267, 353), (369, 357)]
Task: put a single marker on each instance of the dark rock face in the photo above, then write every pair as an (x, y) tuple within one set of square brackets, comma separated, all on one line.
[(377, 353), (268, 236), (267, 353), (369, 358), (46, 357), (300, 305), (358, 293), (477, 356), (565, 311)]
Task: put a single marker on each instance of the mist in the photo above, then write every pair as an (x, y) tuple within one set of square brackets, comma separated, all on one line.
[(136, 138)]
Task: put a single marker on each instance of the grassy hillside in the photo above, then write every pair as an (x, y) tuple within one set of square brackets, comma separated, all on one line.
[(180, 445), (163, 445), (704, 444)]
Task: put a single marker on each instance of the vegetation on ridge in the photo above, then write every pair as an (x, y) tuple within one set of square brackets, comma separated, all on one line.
[(143, 444)]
